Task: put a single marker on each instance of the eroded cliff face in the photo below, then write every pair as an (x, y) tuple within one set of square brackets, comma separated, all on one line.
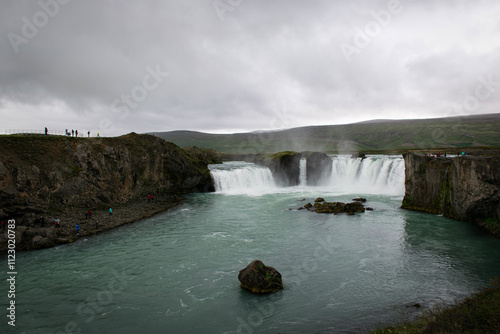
[(41, 174), (462, 188)]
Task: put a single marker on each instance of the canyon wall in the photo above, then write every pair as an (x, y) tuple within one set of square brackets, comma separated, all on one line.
[(43, 174), (463, 188)]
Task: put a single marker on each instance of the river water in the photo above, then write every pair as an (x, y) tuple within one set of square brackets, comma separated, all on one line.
[(177, 272)]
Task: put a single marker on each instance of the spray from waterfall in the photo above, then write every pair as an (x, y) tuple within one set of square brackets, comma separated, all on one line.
[(303, 172)]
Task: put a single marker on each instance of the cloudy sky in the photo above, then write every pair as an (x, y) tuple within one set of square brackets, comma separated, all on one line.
[(242, 65)]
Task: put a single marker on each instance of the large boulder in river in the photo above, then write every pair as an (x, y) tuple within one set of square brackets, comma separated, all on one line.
[(258, 278)]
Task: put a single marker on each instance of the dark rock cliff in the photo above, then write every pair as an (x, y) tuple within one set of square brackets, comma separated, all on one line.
[(40, 174), (462, 188), (319, 168), (285, 167)]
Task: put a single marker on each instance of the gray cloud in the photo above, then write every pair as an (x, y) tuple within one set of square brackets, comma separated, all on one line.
[(244, 66)]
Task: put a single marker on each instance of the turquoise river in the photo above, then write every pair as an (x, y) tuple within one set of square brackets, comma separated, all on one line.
[(177, 272)]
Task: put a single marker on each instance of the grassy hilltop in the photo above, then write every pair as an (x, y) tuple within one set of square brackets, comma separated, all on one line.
[(370, 136)]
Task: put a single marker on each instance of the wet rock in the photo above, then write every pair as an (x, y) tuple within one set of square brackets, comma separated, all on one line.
[(260, 279), (319, 199), (354, 207), (359, 199), (335, 207), (42, 242), (358, 155)]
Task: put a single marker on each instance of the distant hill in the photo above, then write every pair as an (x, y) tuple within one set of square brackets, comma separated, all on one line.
[(375, 135)]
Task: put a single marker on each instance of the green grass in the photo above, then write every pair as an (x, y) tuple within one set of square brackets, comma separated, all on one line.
[(470, 131), (479, 313)]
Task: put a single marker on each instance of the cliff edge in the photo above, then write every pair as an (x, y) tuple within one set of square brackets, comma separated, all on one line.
[(463, 188), (63, 177)]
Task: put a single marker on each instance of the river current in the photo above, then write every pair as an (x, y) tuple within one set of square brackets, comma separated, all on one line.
[(177, 272)]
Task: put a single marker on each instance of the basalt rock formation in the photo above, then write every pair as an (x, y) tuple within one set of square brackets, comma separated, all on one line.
[(260, 279), (283, 165), (44, 175), (318, 167), (463, 188)]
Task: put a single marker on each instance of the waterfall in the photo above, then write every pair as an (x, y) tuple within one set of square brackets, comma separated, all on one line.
[(303, 172), (376, 174), (372, 175), (238, 177)]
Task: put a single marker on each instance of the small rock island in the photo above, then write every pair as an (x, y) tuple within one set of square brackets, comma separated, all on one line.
[(260, 279), (321, 206)]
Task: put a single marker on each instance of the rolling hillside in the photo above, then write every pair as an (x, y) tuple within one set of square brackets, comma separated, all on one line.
[(370, 136)]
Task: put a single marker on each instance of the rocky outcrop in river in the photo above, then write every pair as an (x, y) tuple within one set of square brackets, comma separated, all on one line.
[(463, 188), (321, 206), (259, 278)]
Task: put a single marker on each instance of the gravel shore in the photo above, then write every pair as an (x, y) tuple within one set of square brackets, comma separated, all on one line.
[(35, 236)]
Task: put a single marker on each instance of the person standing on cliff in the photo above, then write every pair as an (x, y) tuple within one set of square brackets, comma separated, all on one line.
[(96, 224), (110, 211), (76, 133), (46, 131), (77, 229), (72, 133), (90, 214), (88, 133)]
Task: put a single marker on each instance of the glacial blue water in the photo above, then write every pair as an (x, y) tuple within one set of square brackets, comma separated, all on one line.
[(177, 272)]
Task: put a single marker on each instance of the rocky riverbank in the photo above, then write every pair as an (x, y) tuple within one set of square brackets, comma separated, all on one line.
[(64, 177), (35, 236)]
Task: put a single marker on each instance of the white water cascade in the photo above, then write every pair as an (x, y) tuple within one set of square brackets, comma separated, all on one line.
[(373, 174), (303, 172), (238, 177)]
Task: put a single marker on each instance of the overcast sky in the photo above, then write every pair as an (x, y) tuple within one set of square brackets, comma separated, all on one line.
[(243, 65)]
